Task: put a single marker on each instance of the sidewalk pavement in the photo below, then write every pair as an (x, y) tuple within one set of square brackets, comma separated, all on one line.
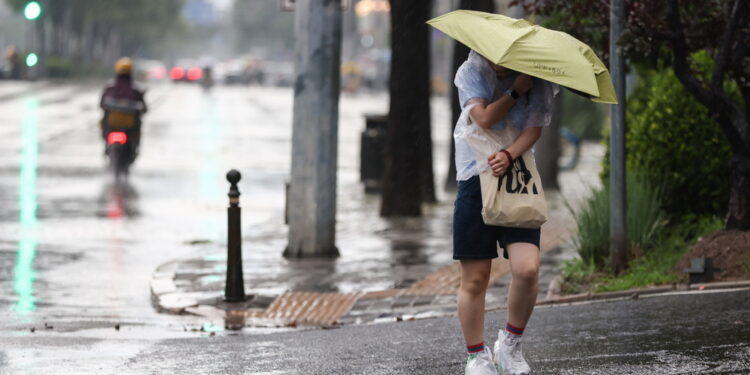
[(176, 288), (390, 269)]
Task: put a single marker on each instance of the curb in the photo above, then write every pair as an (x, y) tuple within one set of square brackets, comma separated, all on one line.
[(635, 293)]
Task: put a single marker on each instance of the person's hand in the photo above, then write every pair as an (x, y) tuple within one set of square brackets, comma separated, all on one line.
[(523, 83), (498, 163)]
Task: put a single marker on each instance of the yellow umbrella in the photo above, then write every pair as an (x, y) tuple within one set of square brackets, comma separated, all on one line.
[(524, 47)]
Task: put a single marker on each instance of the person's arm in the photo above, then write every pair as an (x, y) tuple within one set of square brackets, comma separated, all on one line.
[(486, 114), (499, 161), (101, 100)]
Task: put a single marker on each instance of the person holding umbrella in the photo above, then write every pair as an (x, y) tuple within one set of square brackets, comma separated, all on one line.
[(519, 106), (507, 86)]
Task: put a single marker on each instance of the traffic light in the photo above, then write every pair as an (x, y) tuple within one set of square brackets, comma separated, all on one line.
[(32, 10), (31, 59)]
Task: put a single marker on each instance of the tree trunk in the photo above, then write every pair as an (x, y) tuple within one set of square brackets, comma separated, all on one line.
[(549, 150), (460, 54), (421, 54), (405, 170), (738, 216)]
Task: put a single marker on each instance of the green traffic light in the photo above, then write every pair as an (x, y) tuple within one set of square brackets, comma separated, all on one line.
[(32, 10), (31, 59)]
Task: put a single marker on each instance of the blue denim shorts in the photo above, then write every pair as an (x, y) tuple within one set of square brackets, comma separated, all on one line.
[(472, 239)]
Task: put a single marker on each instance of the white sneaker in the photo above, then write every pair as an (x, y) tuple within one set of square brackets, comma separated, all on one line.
[(481, 363), (509, 357)]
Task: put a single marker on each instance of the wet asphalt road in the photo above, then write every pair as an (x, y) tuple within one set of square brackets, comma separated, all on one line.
[(698, 333)]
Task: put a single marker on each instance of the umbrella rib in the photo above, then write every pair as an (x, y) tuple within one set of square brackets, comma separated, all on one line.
[(521, 37)]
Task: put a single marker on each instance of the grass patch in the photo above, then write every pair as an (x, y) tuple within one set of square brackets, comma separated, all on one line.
[(654, 267), (746, 266)]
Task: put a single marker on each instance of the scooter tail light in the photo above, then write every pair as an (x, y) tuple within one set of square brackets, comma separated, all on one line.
[(117, 137)]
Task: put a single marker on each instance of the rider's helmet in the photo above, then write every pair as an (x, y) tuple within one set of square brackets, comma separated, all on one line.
[(124, 66)]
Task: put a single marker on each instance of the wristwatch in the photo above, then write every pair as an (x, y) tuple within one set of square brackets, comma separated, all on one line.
[(512, 93)]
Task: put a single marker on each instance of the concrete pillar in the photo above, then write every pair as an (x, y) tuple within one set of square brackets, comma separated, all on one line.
[(312, 194)]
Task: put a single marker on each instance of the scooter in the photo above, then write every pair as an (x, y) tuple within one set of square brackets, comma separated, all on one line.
[(120, 153), (122, 128)]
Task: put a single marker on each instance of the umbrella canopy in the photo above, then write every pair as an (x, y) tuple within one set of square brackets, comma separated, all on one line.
[(527, 48)]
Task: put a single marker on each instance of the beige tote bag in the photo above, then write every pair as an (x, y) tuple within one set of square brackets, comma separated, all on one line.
[(515, 199)]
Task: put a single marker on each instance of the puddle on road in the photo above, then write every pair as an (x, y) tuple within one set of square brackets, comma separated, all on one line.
[(211, 327)]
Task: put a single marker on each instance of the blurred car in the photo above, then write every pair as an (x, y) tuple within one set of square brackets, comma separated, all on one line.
[(185, 71), (240, 72), (278, 73), (150, 70), (233, 73)]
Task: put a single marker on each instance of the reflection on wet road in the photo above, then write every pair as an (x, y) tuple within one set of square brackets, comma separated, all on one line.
[(23, 272)]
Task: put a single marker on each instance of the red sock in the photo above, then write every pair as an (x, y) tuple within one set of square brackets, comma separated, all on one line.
[(475, 349), (513, 330)]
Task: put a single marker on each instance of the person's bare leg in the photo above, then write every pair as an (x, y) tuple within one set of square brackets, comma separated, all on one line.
[(475, 275), (524, 267), (524, 286)]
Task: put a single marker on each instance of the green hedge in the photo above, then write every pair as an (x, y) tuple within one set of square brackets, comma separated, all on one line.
[(672, 139), (58, 67), (61, 67)]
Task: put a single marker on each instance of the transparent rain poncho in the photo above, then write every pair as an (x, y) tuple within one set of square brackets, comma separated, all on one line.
[(475, 79)]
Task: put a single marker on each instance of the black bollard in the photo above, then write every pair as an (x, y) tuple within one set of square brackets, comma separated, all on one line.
[(235, 285)]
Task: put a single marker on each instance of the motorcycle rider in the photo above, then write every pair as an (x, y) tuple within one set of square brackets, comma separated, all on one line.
[(123, 105)]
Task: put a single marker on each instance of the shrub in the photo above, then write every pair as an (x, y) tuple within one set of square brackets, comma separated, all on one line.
[(644, 221), (592, 228), (673, 140)]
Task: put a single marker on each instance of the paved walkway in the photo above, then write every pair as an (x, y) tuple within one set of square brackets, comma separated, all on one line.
[(390, 269)]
